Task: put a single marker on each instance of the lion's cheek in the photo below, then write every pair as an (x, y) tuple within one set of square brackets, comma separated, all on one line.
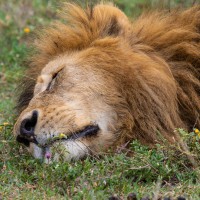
[(36, 151)]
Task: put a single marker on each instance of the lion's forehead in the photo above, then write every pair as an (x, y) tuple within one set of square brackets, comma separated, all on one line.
[(76, 72)]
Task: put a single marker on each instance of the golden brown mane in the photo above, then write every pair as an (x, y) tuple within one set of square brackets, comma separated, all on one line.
[(169, 38)]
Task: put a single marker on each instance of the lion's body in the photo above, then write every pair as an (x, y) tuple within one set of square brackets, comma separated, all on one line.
[(131, 79)]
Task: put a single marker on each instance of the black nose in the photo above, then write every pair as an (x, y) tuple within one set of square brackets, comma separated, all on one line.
[(28, 125)]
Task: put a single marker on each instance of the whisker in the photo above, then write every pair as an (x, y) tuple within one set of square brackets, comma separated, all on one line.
[(94, 155), (196, 121)]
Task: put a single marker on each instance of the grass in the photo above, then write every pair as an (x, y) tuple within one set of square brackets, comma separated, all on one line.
[(162, 171)]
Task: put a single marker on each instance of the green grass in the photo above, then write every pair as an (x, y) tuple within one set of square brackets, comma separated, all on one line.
[(163, 170)]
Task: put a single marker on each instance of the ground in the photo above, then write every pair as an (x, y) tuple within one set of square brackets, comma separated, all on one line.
[(154, 173)]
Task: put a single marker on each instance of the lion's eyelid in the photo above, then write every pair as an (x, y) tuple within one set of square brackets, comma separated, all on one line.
[(44, 81), (51, 82), (54, 76)]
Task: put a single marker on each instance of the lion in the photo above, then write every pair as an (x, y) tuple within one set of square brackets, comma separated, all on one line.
[(97, 81)]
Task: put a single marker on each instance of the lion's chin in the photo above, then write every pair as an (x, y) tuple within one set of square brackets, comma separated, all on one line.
[(36, 151), (63, 151)]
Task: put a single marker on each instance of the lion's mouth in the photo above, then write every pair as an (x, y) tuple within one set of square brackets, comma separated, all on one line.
[(88, 131)]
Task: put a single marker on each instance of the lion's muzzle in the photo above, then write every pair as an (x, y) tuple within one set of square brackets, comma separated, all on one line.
[(27, 128)]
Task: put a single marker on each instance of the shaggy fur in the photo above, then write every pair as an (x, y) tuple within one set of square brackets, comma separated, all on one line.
[(151, 66)]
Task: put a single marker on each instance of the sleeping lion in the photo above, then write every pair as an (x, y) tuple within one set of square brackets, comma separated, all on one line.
[(98, 81)]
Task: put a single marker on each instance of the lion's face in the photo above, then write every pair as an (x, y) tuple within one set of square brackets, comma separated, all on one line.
[(75, 97)]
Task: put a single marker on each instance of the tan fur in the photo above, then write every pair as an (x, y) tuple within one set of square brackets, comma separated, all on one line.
[(140, 80)]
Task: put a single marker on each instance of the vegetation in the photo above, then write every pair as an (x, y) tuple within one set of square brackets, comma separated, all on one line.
[(163, 171)]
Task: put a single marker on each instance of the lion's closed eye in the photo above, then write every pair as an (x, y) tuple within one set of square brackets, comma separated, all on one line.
[(52, 82)]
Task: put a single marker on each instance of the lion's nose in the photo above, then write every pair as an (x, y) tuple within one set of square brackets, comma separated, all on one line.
[(28, 125)]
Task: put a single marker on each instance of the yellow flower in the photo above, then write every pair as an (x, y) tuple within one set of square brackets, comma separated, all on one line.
[(196, 130), (62, 135), (5, 123), (27, 30)]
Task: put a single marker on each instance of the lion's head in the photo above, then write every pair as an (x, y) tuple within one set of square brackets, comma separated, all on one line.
[(93, 85)]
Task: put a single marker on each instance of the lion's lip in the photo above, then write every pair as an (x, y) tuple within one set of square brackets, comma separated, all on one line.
[(90, 130), (87, 131)]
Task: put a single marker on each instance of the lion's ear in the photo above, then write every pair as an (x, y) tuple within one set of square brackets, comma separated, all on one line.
[(101, 20), (110, 19)]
